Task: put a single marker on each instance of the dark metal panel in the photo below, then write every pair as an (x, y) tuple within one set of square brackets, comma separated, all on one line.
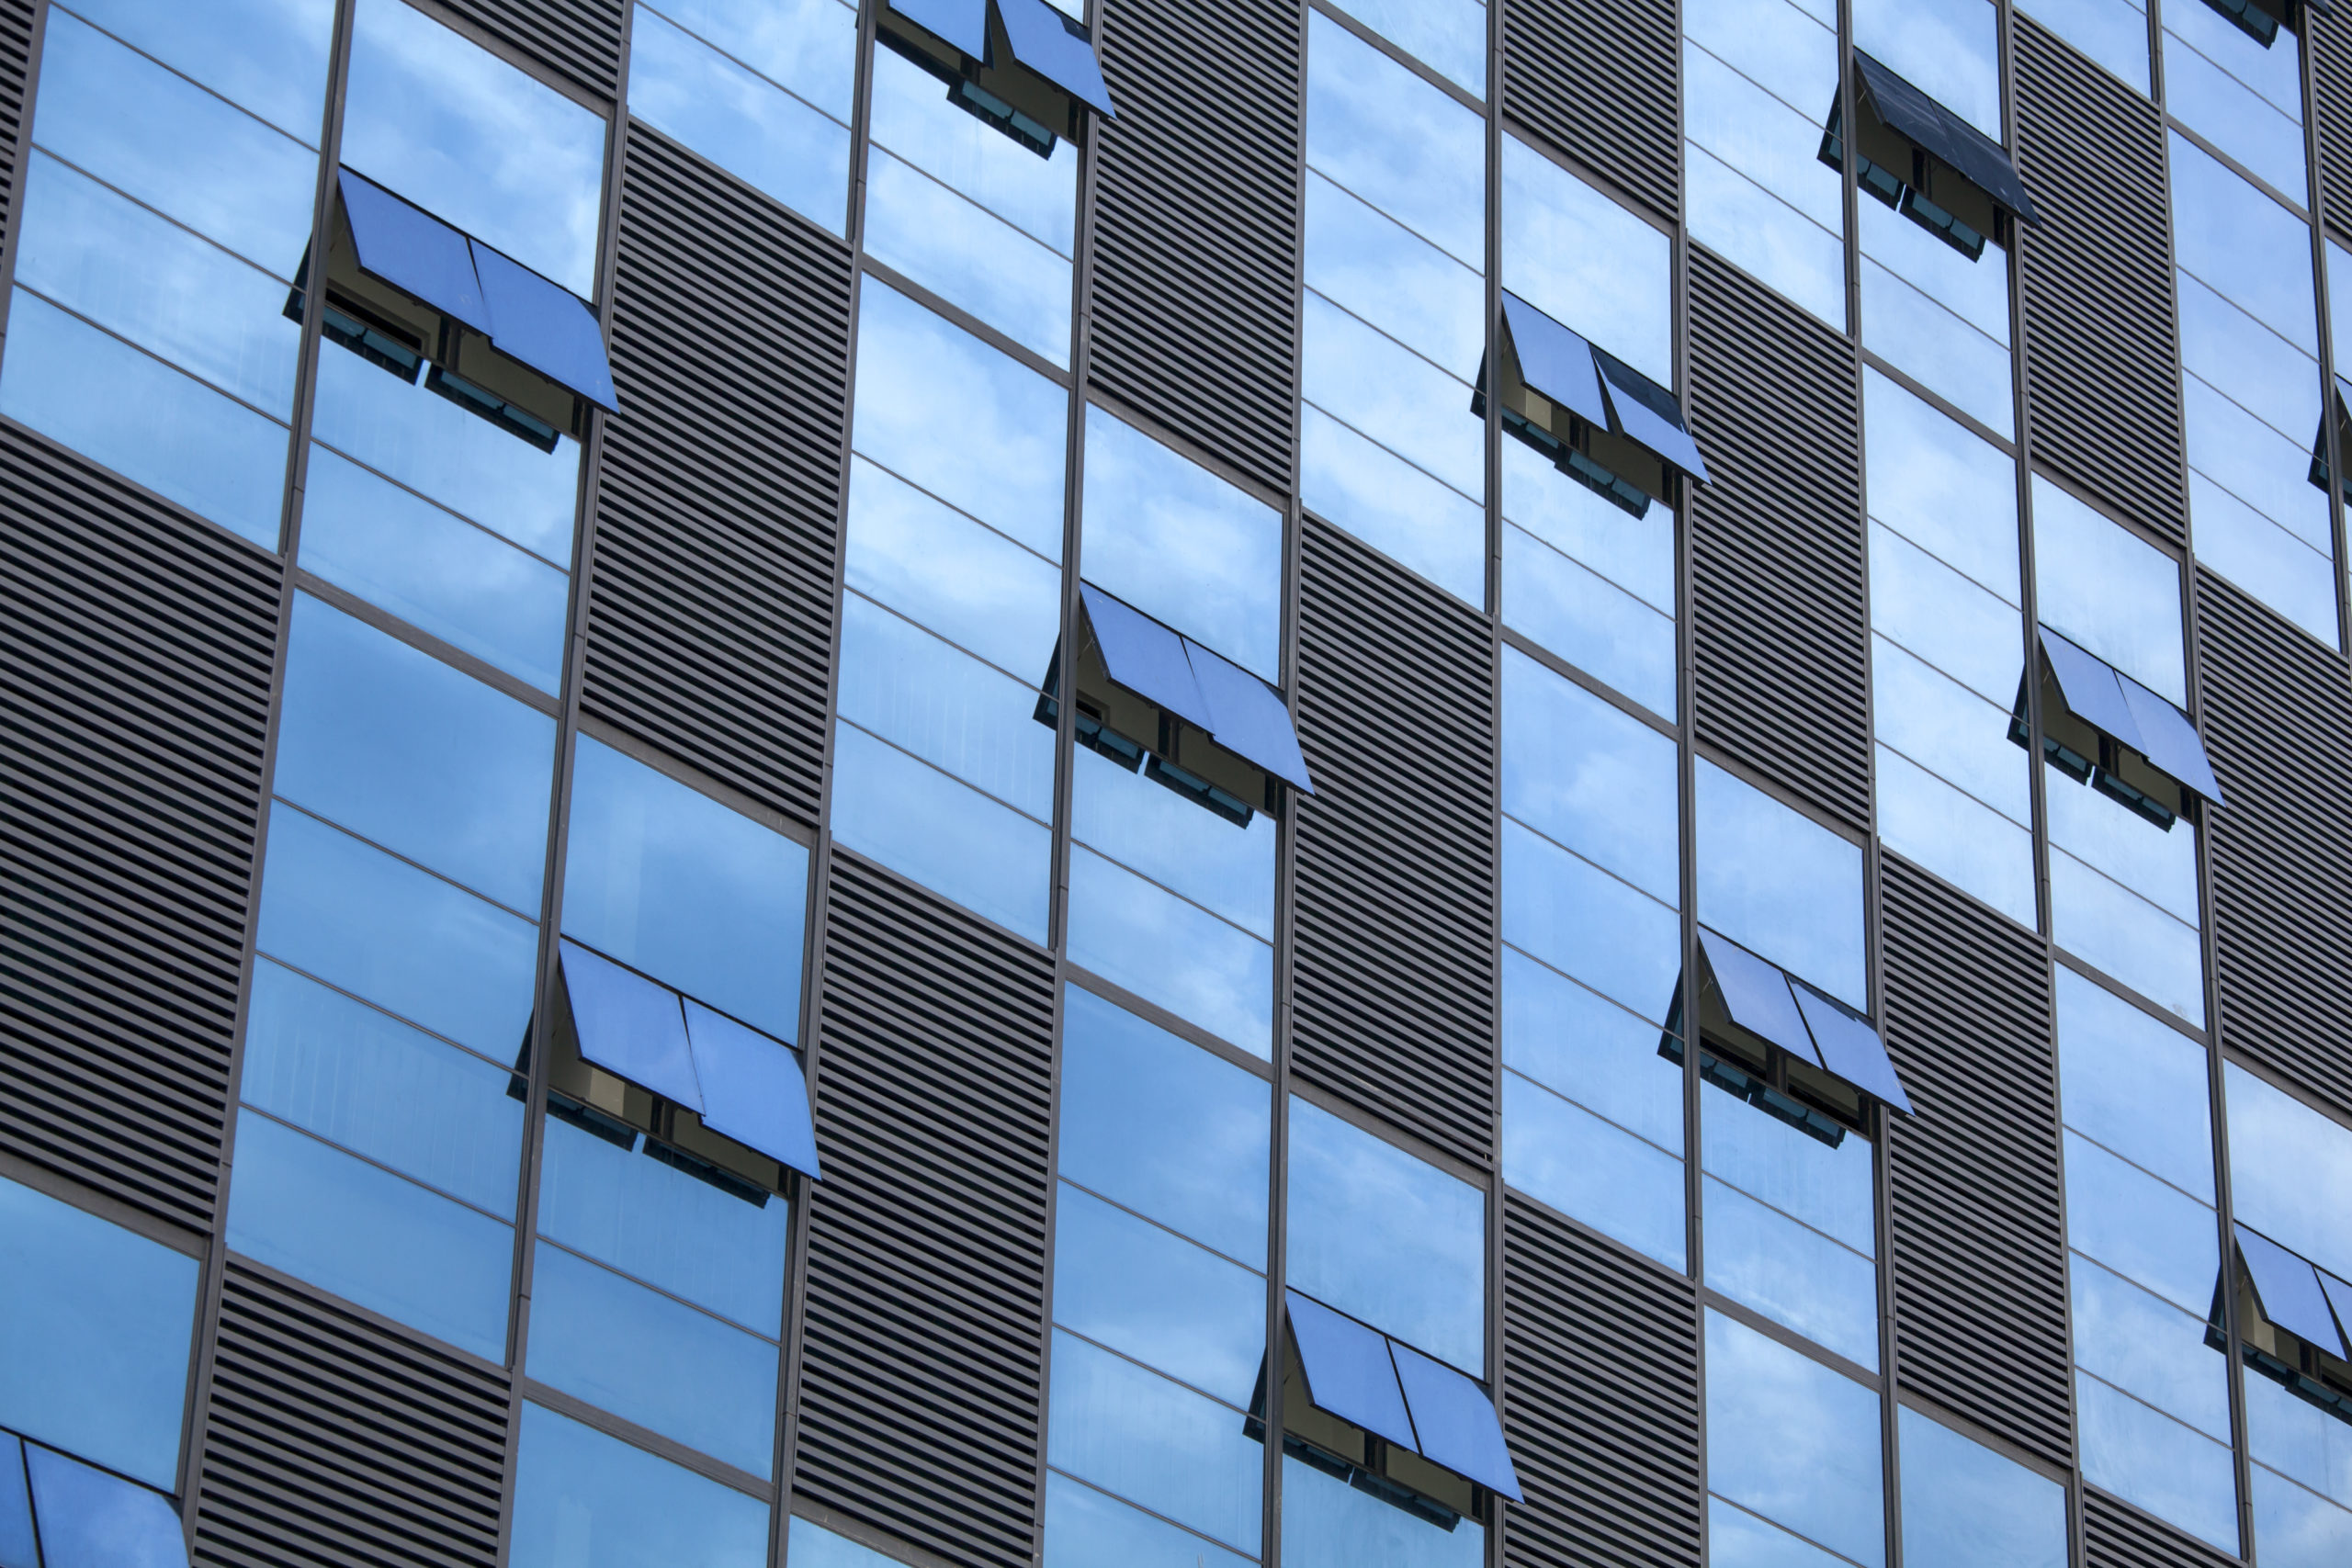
[(1195, 308), (1978, 1216), (135, 653), (1600, 81), (1600, 1400), (1779, 627), (2117, 1535), (2331, 51), (2278, 720), (582, 39), (922, 1375), (710, 613), (16, 75), (1393, 991), (2102, 388), (332, 1442)]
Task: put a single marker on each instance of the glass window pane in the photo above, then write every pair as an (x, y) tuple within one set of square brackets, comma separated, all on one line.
[(2296, 1529), (1393, 140), (1386, 1237), (1732, 214), (372, 1238), (748, 126), (1737, 1539), (2100, 921), (1969, 633), (1583, 616), (813, 1546), (1448, 35), (1595, 1170), (399, 937), (1171, 839), (2245, 95), (2134, 1084), (1134, 933), (1085, 1528), (666, 879), (969, 424), (2140, 1343), (1591, 777), (1393, 506), (268, 55), (2149, 1460), (1781, 885), (145, 420), (2282, 1153), (1327, 1523), (1941, 486), (1948, 728), (1956, 836), (964, 253), (970, 584), (1572, 1041), (1163, 1127), (1367, 263), (2108, 591), (1636, 554), (2155, 1235), (1950, 50), (586, 1500), (1585, 260), (364, 1079), (953, 840), (425, 104), (808, 46), (654, 1361), (1967, 1507), (1178, 543), (100, 1322), (427, 762), (914, 119), (2299, 1439), (1764, 126), (1394, 396), (1832, 1189), (1588, 924), (1761, 1258), (1793, 1440), (2245, 359), (2113, 32), (923, 694), (1939, 316), (1135, 1433), (2241, 243), (1148, 1293)]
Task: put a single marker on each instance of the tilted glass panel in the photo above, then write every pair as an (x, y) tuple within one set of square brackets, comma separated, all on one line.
[(2244, 93), (1950, 50), (1587, 262), (1966, 1505), (2113, 32), (1780, 884), (1793, 1440), (584, 1500)]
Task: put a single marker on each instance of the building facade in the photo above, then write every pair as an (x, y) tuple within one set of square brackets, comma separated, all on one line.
[(798, 782)]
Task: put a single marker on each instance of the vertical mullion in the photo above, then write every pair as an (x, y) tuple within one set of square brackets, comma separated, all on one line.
[(1498, 1521)]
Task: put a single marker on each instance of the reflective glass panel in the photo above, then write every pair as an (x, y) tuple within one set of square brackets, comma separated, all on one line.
[(1587, 262), (2146, 1458), (1591, 777), (947, 836), (1966, 1506), (2283, 1154), (1584, 922), (2113, 32), (1370, 265), (2134, 1084), (586, 1500), (2298, 1438), (1561, 1154), (2157, 1236), (1391, 395), (1796, 1275), (809, 46), (969, 584), (1793, 1440), (2295, 1527), (1329, 1524), (1170, 951), (1380, 131), (1950, 50), (1149, 1294), (1387, 502), (925, 696), (1448, 35), (2247, 96), (1085, 1528), (1574, 1040), (1781, 885), (269, 56), (2110, 593), (1940, 317), (2143, 1345), (1136, 1434)]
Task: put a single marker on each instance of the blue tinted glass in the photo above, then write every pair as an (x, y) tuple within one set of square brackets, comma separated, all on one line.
[(1950, 50), (1392, 505), (798, 156), (1366, 262), (1781, 885), (2242, 243), (1084, 1528), (1171, 839), (99, 1322), (652, 1360), (91, 1519), (1569, 1038), (1968, 632), (973, 426), (2244, 95), (17, 1548), (1928, 308), (1386, 1237), (813, 1546), (2281, 1153), (1956, 836), (145, 420), (1635, 554), (965, 254), (1182, 545), (170, 144), (436, 448), (181, 297), (424, 105), (1967, 1507), (2149, 1460), (1586, 923), (427, 762), (1587, 262), (1593, 1169), (2156, 1235), (1941, 487), (397, 936), (1393, 396), (1943, 725), (2134, 1084), (268, 55), (1163, 1127), (1591, 777), (2113, 32), (2100, 920), (1135, 1433), (809, 46), (435, 571), (968, 583), (370, 1236), (1582, 616), (364, 1079), (2149, 1349), (668, 880), (2299, 1439), (1830, 1189), (953, 840), (1761, 1258), (1394, 141), (1038, 196), (1449, 35), (1329, 1524), (2253, 552), (2295, 1528), (1137, 934), (911, 689), (1148, 1293), (1793, 1440), (586, 1500), (653, 1220), (2246, 361), (1737, 1539)]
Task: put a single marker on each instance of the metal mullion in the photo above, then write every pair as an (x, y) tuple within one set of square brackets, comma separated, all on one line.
[(1498, 1365), (22, 163)]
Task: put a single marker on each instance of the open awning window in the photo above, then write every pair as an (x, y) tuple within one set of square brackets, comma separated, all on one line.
[(84, 1516), (1600, 421), (2295, 1323), (1927, 162), (1762, 1002), (407, 290), (1022, 65), (2341, 402), (1391, 1390), (741, 1085), (2100, 724), (2291, 1293)]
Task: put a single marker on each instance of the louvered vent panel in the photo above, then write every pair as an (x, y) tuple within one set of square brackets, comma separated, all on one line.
[(1780, 621), (1598, 79), (1393, 998), (2331, 117), (1980, 1236), (1601, 1402), (2117, 1535), (710, 617), (2102, 393), (135, 653), (582, 39), (1196, 223), (923, 1378), (15, 72), (333, 1443), (2278, 721)]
